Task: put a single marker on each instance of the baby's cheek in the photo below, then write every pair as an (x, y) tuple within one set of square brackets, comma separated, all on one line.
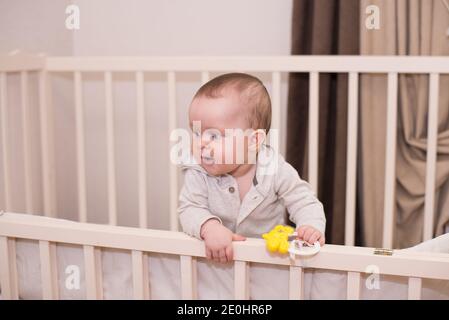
[(220, 152), (228, 152)]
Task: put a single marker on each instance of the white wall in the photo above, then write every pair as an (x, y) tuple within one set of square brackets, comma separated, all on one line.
[(34, 27), (180, 27), (119, 27)]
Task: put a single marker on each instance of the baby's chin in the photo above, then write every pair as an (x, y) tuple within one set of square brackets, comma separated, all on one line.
[(217, 169)]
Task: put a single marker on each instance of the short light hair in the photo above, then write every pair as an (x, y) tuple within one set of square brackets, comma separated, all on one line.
[(250, 88)]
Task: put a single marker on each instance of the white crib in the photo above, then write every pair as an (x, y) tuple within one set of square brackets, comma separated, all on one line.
[(142, 241)]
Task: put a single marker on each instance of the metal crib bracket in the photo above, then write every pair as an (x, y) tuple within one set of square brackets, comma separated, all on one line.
[(383, 251)]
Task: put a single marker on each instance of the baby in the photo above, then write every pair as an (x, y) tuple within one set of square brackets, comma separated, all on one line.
[(228, 193)]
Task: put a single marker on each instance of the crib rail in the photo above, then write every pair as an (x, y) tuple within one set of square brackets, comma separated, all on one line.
[(93, 237), (313, 65), (345, 64), (16, 61)]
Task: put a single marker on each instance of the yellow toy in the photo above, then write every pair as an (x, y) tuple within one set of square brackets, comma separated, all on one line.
[(277, 239)]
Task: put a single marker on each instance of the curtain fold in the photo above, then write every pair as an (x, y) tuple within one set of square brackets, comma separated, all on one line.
[(408, 27), (323, 27)]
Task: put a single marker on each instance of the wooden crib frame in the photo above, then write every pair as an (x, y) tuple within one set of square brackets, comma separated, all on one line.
[(93, 237), (350, 259)]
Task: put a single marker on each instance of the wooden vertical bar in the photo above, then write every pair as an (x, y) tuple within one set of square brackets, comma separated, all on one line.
[(414, 288), (47, 154), (205, 77), (188, 277), (26, 141), (241, 280), (140, 275), (390, 161), (353, 289), (351, 162), (92, 263), (5, 140), (80, 148), (296, 283), (8, 269), (173, 171), (313, 130), (276, 106), (112, 196), (49, 270), (431, 159), (141, 149)]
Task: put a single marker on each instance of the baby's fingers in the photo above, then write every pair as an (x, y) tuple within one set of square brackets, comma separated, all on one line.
[(229, 253), (321, 240), (301, 231), (209, 253), (308, 234), (216, 255), (314, 237), (223, 258)]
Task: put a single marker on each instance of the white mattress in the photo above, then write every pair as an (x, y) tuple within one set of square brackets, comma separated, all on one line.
[(164, 277)]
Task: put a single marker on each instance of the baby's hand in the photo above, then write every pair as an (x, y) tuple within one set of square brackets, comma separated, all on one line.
[(218, 240), (310, 235)]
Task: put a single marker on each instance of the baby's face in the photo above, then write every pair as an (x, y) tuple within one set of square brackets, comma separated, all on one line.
[(219, 151)]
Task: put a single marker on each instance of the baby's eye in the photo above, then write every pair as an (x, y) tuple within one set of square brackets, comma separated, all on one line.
[(213, 136), (196, 134)]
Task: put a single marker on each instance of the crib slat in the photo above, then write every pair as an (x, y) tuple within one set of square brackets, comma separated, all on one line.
[(5, 140), (173, 174), (351, 162), (92, 264), (313, 130), (390, 161), (140, 275), (26, 141), (353, 292), (142, 161), (432, 135), (188, 277), (112, 210), (46, 145), (414, 288), (241, 280), (8, 269), (296, 283), (204, 77), (80, 148), (276, 106), (49, 270)]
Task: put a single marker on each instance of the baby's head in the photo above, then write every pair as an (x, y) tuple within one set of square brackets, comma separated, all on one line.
[(229, 117)]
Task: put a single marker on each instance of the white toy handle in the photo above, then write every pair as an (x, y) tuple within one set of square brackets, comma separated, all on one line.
[(298, 247)]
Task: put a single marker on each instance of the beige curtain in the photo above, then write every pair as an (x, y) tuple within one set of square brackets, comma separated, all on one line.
[(407, 27)]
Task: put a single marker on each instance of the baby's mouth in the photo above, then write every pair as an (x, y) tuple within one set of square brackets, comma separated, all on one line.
[(207, 160)]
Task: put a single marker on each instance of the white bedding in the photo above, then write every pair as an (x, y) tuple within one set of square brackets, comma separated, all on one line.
[(164, 277)]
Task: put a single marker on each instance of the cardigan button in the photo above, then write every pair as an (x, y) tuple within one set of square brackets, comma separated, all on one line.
[(231, 189)]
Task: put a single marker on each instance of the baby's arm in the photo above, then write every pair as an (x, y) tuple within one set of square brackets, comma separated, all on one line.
[(197, 220), (304, 209), (193, 206)]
